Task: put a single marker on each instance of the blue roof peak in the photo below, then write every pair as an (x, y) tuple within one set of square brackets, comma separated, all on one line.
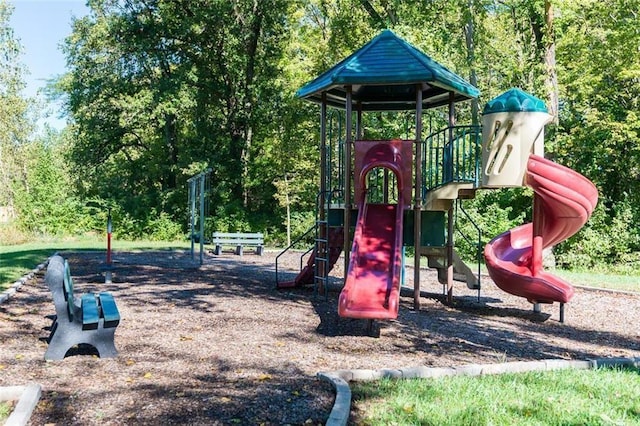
[(385, 74)]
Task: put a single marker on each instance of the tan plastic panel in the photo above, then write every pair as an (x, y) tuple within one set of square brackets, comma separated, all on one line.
[(507, 140)]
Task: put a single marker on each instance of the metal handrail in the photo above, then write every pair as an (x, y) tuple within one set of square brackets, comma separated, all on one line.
[(452, 154), (296, 241)]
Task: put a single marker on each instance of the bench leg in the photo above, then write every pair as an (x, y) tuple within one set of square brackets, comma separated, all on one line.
[(218, 250), (64, 338), (104, 342), (259, 250), (58, 345), (239, 250)]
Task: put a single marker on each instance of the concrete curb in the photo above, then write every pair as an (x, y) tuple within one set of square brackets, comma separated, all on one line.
[(5, 295), (340, 379), (342, 404), (27, 396)]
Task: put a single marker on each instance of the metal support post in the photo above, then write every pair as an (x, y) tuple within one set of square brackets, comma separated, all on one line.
[(107, 276)]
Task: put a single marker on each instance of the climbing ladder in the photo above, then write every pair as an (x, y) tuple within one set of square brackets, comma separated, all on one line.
[(321, 268)]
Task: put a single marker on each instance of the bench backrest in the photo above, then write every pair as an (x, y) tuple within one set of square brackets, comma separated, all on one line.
[(54, 278), (68, 289), (237, 238)]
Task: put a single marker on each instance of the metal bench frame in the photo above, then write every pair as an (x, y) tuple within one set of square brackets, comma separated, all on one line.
[(88, 319), (238, 240)]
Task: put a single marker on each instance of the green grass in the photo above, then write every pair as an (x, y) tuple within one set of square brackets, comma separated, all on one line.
[(596, 279), (566, 397), (17, 260), (601, 280), (5, 411)]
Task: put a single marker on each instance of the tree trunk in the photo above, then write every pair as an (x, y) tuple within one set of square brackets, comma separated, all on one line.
[(171, 142), (551, 81), (471, 59), (248, 99), (287, 202), (246, 156)]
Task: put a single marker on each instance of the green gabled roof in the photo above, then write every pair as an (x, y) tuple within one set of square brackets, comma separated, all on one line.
[(384, 74)]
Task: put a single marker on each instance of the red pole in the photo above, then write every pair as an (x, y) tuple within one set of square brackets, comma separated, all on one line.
[(109, 229), (537, 243), (107, 275)]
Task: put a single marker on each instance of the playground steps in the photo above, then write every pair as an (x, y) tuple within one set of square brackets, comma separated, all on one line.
[(437, 259), (442, 198)]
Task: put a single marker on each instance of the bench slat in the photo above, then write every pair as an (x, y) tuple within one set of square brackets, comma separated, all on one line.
[(68, 289), (109, 310), (68, 281), (251, 235), (90, 315), (238, 241)]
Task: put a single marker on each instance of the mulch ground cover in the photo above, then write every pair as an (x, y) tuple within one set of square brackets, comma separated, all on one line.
[(218, 344)]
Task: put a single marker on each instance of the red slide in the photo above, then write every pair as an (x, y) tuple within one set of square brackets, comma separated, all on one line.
[(372, 285), (564, 201)]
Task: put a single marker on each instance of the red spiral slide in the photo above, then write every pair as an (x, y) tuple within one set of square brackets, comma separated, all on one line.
[(372, 285), (564, 201)]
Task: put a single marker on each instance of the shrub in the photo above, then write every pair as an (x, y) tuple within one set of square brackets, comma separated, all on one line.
[(494, 213), (161, 227), (608, 238)]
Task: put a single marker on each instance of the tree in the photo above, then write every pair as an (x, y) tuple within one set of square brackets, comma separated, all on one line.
[(156, 92), (600, 81), (551, 77), (15, 121), (43, 195)]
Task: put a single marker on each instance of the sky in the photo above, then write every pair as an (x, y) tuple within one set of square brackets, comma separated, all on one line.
[(41, 26)]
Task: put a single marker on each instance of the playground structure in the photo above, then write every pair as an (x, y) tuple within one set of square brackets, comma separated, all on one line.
[(199, 187), (366, 186)]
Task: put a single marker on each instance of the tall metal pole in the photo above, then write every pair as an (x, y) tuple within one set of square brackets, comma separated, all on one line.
[(203, 177), (359, 122), (107, 275), (450, 224), (322, 228), (323, 153), (109, 230), (347, 181), (192, 208), (417, 207), (537, 242)]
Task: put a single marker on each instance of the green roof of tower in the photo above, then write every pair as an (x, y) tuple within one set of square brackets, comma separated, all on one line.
[(515, 100), (384, 75)]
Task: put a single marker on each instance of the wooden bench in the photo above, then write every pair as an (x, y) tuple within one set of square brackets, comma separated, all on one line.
[(238, 240), (86, 319)]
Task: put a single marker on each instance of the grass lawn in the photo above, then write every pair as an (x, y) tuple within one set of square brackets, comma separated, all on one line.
[(601, 280), (17, 260), (564, 397), (597, 279), (5, 410)]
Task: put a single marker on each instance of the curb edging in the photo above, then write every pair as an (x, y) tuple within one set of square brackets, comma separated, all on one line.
[(340, 379), (27, 396), (5, 295)]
